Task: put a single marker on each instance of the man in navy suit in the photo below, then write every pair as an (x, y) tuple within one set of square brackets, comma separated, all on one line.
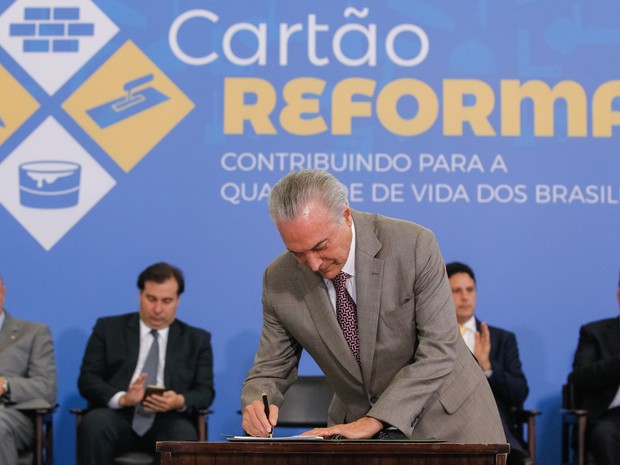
[(497, 354), (596, 377), (113, 382)]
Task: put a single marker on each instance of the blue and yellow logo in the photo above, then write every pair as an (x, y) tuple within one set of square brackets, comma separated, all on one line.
[(127, 106)]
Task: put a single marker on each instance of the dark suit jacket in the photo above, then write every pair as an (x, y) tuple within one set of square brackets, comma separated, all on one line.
[(111, 357), (416, 372), (507, 382), (596, 368)]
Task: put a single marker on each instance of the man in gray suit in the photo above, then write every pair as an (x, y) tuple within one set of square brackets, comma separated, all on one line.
[(27, 377), (402, 370)]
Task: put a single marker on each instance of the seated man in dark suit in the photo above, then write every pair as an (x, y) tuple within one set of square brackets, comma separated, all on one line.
[(596, 378), (128, 352), (497, 354), (27, 376)]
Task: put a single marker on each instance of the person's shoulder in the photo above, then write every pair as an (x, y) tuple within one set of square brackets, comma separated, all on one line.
[(377, 218), (601, 324), (113, 320), (284, 263), (386, 225), (20, 322), (501, 332), (191, 329)]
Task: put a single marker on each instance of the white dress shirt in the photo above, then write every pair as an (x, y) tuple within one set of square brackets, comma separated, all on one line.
[(349, 268), (146, 340), (468, 332)]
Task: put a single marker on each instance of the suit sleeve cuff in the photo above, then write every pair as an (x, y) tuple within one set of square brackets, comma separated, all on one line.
[(114, 402)]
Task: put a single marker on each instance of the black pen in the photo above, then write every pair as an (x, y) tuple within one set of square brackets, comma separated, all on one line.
[(266, 404)]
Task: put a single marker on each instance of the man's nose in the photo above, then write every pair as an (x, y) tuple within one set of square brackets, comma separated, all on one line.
[(314, 261)]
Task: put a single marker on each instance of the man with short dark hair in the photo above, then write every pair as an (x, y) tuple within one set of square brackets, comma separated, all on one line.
[(27, 376), (596, 377), (497, 353), (128, 352)]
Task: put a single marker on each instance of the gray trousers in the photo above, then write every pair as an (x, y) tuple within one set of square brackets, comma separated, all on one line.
[(16, 433)]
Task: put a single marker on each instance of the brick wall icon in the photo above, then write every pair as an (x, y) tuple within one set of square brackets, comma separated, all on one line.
[(55, 30)]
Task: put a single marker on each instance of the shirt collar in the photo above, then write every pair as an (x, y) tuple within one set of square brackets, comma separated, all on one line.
[(471, 324), (349, 266), (144, 330)]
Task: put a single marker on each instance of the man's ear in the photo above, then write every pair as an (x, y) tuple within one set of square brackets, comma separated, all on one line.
[(346, 214), (3, 293)]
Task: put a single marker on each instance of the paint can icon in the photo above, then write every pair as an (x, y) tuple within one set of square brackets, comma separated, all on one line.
[(49, 184)]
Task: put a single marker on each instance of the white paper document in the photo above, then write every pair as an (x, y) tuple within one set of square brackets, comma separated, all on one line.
[(276, 439)]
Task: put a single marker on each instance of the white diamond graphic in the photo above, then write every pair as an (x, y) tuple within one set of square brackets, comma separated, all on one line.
[(53, 40), (50, 182)]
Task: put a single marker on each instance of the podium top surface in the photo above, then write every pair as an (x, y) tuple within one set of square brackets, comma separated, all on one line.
[(331, 446)]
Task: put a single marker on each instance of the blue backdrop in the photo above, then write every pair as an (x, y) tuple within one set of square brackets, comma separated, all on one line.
[(134, 132)]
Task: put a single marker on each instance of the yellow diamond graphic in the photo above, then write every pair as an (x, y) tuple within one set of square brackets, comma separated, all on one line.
[(128, 105), (16, 105)]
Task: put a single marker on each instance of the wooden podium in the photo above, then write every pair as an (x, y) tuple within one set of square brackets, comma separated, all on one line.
[(330, 453)]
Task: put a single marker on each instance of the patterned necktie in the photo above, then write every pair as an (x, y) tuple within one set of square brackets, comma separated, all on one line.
[(142, 421), (346, 313)]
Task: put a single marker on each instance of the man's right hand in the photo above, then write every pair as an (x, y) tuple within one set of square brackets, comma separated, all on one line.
[(135, 393), (482, 347), (255, 422)]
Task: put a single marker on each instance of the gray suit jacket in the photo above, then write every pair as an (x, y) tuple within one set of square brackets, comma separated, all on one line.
[(416, 372), (27, 362)]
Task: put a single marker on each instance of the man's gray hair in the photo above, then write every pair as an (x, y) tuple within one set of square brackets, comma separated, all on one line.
[(297, 189)]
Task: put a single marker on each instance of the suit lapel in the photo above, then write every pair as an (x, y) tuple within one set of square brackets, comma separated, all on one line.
[(132, 336), (9, 332), (495, 343), (174, 335), (369, 285), (612, 334)]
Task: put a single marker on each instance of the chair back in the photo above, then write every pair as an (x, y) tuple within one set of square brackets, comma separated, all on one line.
[(42, 451), (306, 403), (574, 421), (570, 394), (524, 424)]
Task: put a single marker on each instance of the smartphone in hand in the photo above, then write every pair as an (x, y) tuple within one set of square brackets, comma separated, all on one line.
[(152, 389)]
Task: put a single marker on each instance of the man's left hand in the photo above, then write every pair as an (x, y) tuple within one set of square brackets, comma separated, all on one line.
[(2, 379), (364, 428), (170, 400)]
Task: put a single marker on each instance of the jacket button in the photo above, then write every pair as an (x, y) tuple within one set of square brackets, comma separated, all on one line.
[(373, 399)]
